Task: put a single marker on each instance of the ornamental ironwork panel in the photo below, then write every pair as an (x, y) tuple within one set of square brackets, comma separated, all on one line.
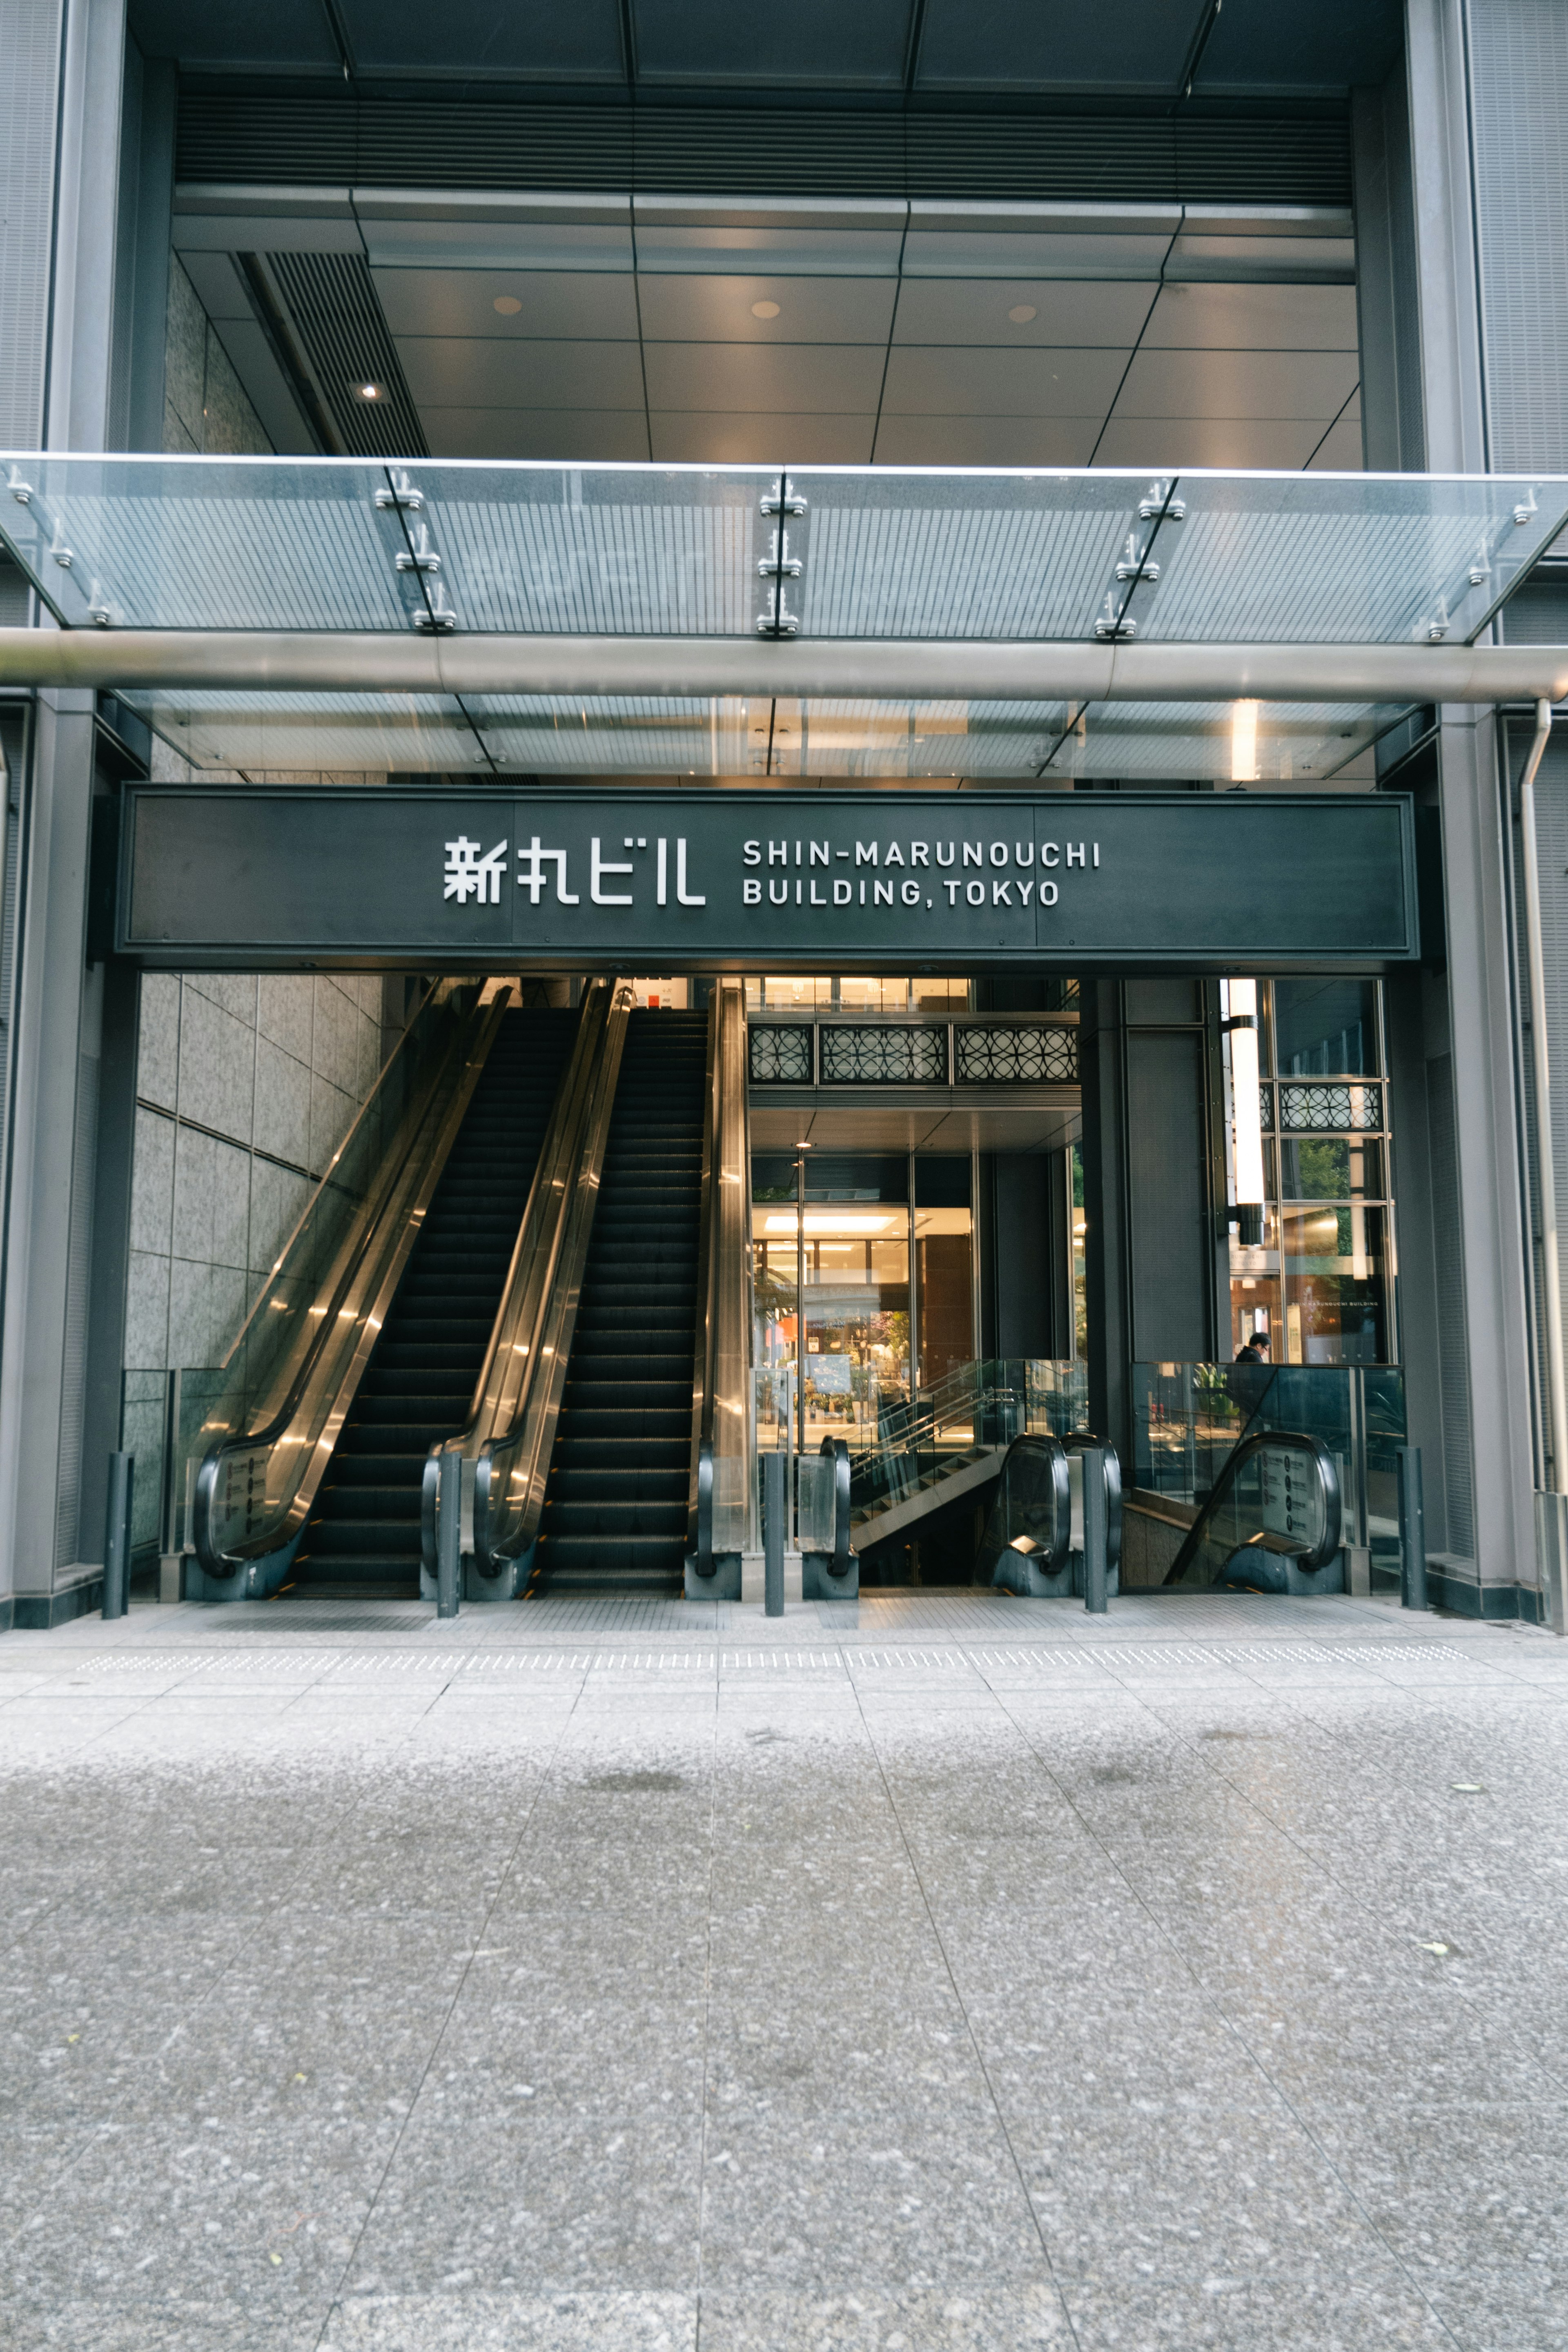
[(1265, 1107), (1015, 1054), (883, 1056), (1310, 1111), (781, 1057)]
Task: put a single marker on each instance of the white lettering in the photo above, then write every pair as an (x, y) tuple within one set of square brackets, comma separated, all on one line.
[(951, 853), (469, 875), (751, 893), (820, 855), (1096, 853), (817, 900), (1026, 892), (778, 894), (1024, 853), (881, 894), (778, 853), (951, 890), (1074, 856), (1049, 853), (1047, 894), (919, 853), (683, 897), (911, 893), (865, 853), (1002, 892), (597, 869), (842, 891), (972, 854), (532, 862), (895, 856), (976, 892), (662, 877), (752, 852), (998, 853)]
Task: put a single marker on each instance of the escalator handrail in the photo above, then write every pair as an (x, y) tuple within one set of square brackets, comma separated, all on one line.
[(1083, 1440), (840, 1559), (1042, 1441), (525, 1294), (720, 1367), (1310, 1557), (374, 1252), (526, 1443)]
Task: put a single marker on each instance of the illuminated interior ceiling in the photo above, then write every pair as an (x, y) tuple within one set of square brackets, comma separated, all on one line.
[(673, 555)]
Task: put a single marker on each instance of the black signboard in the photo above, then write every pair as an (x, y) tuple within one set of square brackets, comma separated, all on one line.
[(629, 880)]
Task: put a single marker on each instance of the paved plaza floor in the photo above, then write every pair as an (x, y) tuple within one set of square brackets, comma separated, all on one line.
[(943, 1974)]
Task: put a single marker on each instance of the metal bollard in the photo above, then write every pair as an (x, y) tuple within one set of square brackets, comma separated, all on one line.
[(117, 1536), (1411, 1528), (775, 1510), (1095, 1574), (449, 1535)]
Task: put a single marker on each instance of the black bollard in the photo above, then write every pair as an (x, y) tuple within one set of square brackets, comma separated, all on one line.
[(448, 1535), (775, 1510), (1095, 1574), (117, 1536), (1411, 1528)]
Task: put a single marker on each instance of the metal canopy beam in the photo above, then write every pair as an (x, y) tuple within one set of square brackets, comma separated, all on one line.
[(675, 668)]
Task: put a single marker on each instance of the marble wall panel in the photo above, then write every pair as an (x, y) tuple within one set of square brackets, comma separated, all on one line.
[(158, 1063), (152, 1185)]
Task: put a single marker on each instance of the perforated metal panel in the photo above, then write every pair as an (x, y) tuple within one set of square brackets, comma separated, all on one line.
[(30, 66), (1519, 101), (1453, 1348)]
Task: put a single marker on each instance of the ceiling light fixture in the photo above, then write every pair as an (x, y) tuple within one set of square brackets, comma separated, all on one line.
[(369, 392), (1022, 313), (764, 309), (507, 304)]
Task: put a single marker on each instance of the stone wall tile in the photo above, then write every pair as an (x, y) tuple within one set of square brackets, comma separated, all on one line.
[(190, 1313), (231, 1206), (217, 1067), (147, 1312), (331, 1111), (185, 354), (283, 1004), (195, 1156), (152, 1183), (234, 991), (232, 427), (229, 1304), (282, 1120), (158, 1062)]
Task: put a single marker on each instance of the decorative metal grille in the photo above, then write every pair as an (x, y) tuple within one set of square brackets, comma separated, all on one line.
[(1265, 1107), (1308, 1110), (781, 1057), (1015, 1055), (883, 1056)]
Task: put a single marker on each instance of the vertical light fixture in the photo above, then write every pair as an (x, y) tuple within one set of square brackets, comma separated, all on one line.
[(1245, 1109), (1244, 743)]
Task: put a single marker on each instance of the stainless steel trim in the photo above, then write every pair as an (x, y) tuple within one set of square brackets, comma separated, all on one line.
[(718, 1498), (277, 661)]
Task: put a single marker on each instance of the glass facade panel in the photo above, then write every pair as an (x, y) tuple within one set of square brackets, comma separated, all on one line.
[(795, 994), (1325, 1027), (1333, 1264), (944, 1247)]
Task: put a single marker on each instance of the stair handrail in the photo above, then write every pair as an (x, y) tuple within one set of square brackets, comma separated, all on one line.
[(1307, 1556), (269, 1474), (510, 1352), (840, 1559), (1083, 1440), (718, 1499), (513, 1462)]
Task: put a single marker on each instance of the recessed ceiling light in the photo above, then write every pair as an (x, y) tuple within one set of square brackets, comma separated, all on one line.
[(508, 305), (764, 309), (370, 392), (1022, 313)]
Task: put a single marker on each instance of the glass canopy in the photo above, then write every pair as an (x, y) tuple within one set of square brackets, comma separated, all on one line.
[(885, 553)]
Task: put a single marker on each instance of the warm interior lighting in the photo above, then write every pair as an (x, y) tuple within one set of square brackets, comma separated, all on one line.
[(369, 392), (764, 309), (828, 1223), (1022, 313), (507, 304), (1244, 743), (1247, 1118)]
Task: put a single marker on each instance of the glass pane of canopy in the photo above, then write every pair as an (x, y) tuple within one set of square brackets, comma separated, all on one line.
[(330, 545)]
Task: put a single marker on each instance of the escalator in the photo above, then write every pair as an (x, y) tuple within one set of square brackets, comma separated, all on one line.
[(615, 1502), (363, 1537)]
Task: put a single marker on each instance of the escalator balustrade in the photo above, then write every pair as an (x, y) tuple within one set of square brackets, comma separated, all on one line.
[(364, 1535), (615, 1516)]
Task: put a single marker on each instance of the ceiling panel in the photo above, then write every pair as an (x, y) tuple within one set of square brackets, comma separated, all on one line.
[(446, 372), (910, 1126), (1205, 254), (809, 379), (551, 303), (1253, 317), (568, 436), (1237, 383), (480, 244), (1057, 43), (980, 252), (1083, 311), (926, 380), (694, 309), (214, 32), (803, 252), (1257, 45), (688, 438), (987, 440), (812, 44), (1340, 450), (1165, 442), (537, 37)]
